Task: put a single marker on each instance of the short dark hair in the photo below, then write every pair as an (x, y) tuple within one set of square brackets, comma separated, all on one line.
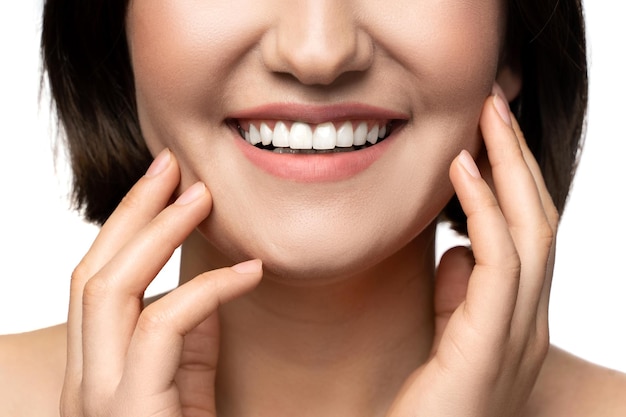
[(87, 63)]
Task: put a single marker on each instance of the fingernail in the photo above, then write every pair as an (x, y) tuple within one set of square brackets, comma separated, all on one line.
[(191, 194), (502, 107), (468, 163), (159, 164), (247, 267)]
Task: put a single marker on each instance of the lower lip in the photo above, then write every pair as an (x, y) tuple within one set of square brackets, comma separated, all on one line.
[(324, 167)]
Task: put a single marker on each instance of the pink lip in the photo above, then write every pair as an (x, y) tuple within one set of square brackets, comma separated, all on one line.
[(318, 114), (317, 167), (313, 168)]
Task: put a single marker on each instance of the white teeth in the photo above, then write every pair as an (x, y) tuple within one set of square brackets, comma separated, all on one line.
[(255, 136), (360, 134), (266, 134), (382, 132), (324, 136), (281, 136), (372, 135), (300, 136), (345, 135)]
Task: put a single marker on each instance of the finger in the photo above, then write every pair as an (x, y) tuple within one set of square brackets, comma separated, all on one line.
[(552, 215), (155, 350), (144, 200), (517, 191), (544, 298), (520, 201), (195, 377), (453, 273), (112, 299), (140, 205), (493, 285)]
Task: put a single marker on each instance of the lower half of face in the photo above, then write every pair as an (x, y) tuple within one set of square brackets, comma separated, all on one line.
[(324, 130)]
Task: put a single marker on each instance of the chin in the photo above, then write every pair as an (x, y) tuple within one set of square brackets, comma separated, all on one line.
[(311, 254), (323, 265)]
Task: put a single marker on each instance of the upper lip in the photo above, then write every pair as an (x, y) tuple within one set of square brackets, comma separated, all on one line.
[(316, 114)]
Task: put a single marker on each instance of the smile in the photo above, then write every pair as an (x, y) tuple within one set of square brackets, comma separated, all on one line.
[(309, 143), (295, 137)]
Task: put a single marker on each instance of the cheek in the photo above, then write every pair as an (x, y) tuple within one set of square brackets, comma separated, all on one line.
[(450, 48), (183, 52)]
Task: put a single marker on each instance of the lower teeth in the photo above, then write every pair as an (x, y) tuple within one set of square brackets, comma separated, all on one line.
[(315, 151)]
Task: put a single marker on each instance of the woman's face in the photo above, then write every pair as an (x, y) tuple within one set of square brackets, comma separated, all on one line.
[(320, 74)]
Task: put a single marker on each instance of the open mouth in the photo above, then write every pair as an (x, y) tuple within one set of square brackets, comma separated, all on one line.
[(296, 137)]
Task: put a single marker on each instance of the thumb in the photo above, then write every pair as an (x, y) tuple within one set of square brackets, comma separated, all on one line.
[(455, 268)]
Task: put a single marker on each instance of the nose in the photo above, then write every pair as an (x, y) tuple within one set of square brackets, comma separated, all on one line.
[(316, 41)]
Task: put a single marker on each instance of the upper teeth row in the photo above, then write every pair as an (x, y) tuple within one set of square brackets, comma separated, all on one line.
[(322, 136)]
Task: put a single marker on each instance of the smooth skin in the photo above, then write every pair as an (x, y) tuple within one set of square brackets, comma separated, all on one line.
[(345, 320), (491, 344), (211, 61)]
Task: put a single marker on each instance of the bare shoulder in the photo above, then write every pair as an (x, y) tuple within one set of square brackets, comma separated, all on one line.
[(571, 387), (32, 365)]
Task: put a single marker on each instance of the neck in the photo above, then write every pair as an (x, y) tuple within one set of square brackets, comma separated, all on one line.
[(342, 347)]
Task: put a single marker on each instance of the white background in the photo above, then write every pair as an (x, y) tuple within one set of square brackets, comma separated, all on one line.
[(41, 239)]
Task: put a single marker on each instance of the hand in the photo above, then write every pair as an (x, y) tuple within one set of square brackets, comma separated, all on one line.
[(126, 360), (491, 329)]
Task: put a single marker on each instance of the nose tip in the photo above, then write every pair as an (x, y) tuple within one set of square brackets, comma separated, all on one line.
[(318, 45)]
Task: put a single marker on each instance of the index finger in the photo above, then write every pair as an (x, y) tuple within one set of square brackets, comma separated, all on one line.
[(142, 203)]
